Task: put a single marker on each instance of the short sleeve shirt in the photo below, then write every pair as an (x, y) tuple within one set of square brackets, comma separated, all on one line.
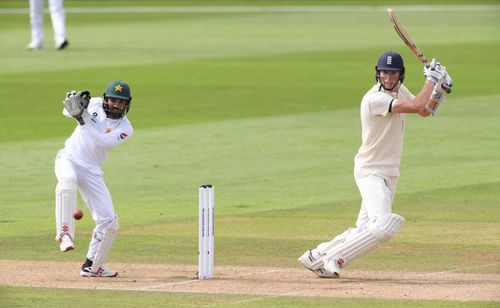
[(382, 133)]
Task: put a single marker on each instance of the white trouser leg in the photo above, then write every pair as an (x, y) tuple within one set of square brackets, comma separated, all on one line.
[(377, 195), (104, 239), (97, 236), (58, 21), (36, 20), (363, 219), (98, 199)]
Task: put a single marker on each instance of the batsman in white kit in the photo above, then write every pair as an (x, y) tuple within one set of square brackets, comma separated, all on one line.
[(102, 125), (376, 165)]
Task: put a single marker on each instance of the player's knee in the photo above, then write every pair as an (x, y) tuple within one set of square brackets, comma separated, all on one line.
[(106, 227), (386, 226), (112, 225)]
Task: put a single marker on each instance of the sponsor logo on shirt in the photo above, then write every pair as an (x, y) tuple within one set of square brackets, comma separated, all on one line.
[(123, 135)]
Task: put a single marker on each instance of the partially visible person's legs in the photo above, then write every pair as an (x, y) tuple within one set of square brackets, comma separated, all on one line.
[(98, 199), (58, 23), (375, 224), (36, 21)]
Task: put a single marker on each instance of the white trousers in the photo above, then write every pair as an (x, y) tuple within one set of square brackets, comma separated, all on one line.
[(94, 193), (58, 21), (377, 194)]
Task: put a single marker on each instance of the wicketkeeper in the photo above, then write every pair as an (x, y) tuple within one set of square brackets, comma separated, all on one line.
[(102, 125), (376, 165)]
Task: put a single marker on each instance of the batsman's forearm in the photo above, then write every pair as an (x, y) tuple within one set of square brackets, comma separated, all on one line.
[(430, 109), (423, 96)]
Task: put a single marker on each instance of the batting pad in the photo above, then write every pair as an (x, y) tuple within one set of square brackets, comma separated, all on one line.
[(365, 241), (65, 204), (386, 226), (323, 248), (106, 241)]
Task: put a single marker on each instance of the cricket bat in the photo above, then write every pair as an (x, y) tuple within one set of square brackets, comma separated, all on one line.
[(403, 34)]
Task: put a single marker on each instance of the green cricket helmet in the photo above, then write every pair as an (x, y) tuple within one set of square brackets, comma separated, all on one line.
[(117, 89)]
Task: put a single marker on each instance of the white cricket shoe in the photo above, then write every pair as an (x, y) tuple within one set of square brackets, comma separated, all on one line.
[(333, 266), (102, 272), (65, 243), (62, 45), (308, 259), (34, 46)]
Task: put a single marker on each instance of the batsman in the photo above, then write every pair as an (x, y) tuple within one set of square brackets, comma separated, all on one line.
[(102, 125), (376, 165)]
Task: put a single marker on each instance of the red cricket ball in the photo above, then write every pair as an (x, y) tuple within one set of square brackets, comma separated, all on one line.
[(77, 214)]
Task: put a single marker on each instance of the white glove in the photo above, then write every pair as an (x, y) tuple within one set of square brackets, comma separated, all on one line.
[(76, 104), (435, 72)]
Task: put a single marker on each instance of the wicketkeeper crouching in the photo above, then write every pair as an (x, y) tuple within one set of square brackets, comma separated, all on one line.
[(102, 125)]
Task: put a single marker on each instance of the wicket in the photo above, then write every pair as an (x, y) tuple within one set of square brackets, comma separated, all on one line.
[(206, 235)]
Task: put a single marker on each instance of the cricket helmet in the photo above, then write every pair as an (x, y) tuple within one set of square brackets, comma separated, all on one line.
[(390, 61), (117, 89)]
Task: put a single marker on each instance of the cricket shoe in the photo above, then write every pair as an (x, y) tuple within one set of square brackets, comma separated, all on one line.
[(65, 243), (63, 45), (34, 46), (333, 266), (102, 272), (309, 258)]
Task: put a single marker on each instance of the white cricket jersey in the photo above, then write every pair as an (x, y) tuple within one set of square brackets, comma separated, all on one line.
[(382, 133), (90, 143)]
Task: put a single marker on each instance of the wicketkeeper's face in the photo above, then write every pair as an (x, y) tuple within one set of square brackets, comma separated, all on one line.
[(117, 105)]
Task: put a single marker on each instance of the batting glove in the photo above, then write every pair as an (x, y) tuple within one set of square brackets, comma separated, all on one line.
[(434, 72)]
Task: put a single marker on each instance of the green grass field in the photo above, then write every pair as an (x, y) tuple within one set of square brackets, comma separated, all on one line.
[(265, 105)]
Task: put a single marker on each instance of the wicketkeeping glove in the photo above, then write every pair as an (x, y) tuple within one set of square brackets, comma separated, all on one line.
[(76, 104)]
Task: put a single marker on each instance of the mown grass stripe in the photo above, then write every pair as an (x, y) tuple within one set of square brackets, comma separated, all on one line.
[(261, 9)]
